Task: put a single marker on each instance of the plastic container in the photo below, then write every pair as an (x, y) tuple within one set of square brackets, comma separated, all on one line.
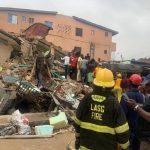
[(44, 130), (59, 121)]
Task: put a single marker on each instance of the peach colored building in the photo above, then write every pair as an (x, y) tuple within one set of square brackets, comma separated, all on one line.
[(70, 33)]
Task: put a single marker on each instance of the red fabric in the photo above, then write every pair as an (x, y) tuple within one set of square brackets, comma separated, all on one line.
[(94, 72), (73, 61)]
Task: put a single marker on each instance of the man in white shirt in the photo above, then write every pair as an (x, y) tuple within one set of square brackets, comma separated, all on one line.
[(66, 64)]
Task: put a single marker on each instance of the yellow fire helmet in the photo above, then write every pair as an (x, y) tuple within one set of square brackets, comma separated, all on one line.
[(104, 78), (119, 75)]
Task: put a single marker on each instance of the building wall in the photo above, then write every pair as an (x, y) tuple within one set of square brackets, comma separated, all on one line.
[(4, 56), (63, 33)]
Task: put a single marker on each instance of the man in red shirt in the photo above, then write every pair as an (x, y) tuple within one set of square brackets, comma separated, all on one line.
[(73, 66)]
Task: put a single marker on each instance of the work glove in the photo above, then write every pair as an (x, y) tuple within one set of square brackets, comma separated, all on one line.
[(77, 143)]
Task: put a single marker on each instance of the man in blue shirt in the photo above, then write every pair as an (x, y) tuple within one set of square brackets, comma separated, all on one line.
[(133, 93), (144, 116)]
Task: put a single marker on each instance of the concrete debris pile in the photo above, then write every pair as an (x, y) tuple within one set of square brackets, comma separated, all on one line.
[(31, 81)]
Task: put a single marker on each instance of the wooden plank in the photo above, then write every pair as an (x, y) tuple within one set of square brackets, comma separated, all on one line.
[(25, 136), (30, 136), (57, 142)]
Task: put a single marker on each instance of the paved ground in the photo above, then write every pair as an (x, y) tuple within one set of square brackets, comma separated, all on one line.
[(58, 142)]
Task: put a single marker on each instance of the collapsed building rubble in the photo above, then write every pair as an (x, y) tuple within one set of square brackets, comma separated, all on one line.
[(31, 77)]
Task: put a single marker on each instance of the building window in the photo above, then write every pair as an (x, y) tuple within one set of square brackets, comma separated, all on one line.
[(106, 34), (92, 50), (13, 19), (79, 32), (105, 51), (92, 32), (24, 18), (49, 24), (77, 51), (31, 20)]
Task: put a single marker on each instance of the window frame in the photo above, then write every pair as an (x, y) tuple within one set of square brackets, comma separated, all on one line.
[(79, 32), (106, 34), (30, 20), (105, 52), (77, 50), (10, 20), (24, 18)]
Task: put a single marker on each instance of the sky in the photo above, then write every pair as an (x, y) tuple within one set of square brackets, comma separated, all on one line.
[(131, 18)]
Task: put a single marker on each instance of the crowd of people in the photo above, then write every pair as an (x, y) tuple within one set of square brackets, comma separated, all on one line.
[(80, 67), (116, 115)]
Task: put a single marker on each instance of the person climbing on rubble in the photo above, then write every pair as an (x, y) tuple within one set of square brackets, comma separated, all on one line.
[(133, 93), (100, 122), (66, 60)]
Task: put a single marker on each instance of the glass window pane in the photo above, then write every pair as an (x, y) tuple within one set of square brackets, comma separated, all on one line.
[(23, 18), (49, 24), (13, 19)]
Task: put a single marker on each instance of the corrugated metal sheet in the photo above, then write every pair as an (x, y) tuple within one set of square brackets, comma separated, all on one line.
[(37, 29)]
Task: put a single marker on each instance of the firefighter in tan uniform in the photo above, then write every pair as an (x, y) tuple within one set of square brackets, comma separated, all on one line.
[(100, 122)]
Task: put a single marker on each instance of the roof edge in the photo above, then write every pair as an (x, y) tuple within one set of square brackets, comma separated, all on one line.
[(95, 25), (28, 10), (55, 13)]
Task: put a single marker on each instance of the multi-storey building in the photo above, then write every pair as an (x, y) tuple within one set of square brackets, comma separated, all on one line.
[(70, 33)]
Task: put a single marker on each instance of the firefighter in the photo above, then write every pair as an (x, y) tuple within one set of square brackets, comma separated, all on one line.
[(117, 87), (100, 122)]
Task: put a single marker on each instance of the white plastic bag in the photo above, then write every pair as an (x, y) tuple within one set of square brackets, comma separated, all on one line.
[(21, 122)]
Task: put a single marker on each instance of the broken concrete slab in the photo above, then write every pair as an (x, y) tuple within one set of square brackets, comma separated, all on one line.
[(7, 98), (34, 119), (44, 89)]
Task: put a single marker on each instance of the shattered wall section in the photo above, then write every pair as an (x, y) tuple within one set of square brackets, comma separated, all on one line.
[(25, 47), (5, 51)]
